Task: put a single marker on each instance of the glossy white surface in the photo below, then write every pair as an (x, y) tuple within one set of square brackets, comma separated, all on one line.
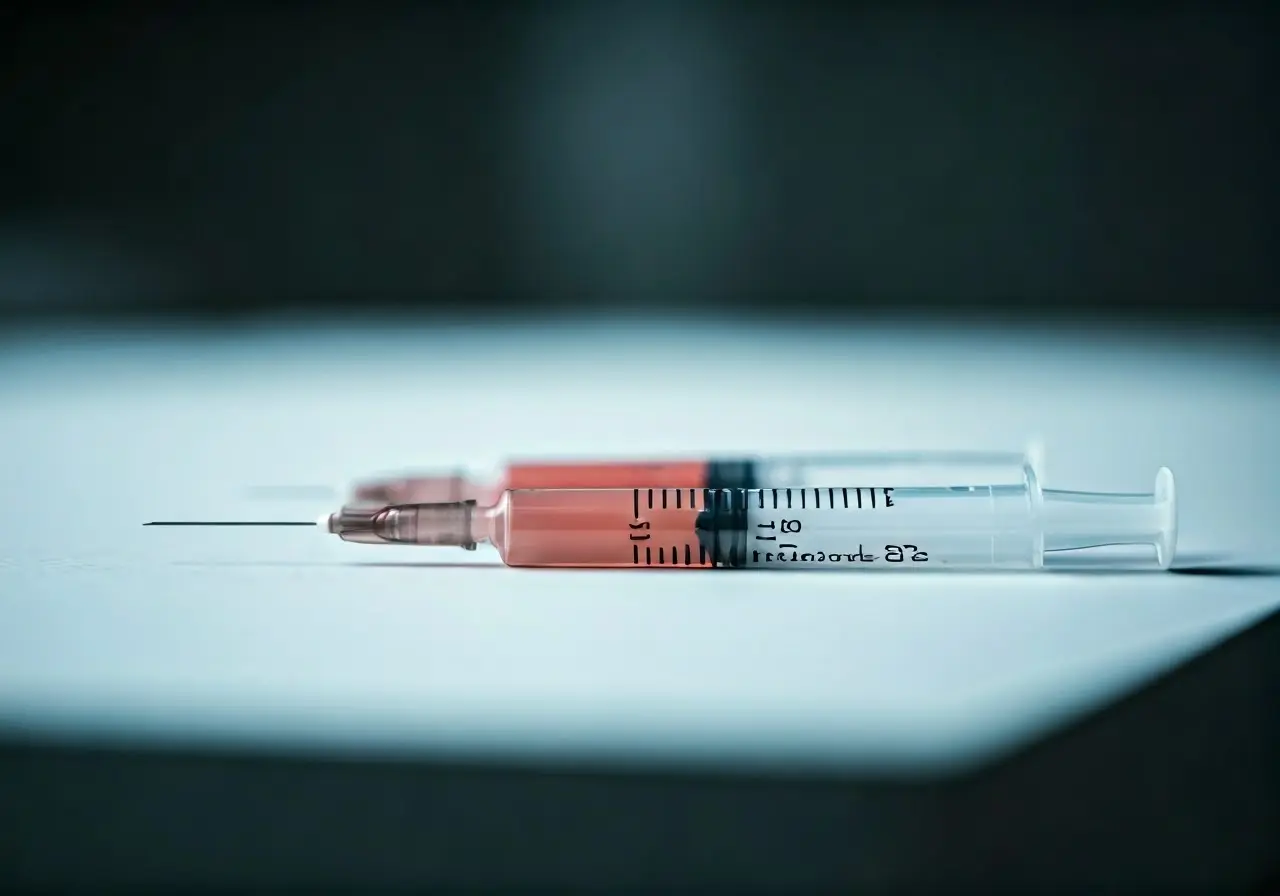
[(291, 640)]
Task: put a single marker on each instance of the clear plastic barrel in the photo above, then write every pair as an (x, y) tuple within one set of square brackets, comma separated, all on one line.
[(931, 516), (913, 518)]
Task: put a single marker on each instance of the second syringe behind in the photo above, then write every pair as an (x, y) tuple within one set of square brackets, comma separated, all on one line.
[(763, 471)]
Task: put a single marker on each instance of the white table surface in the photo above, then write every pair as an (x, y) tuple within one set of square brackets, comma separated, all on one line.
[(288, 640)]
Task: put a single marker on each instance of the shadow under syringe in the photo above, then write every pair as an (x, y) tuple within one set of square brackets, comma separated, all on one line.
[(1191, 565), (1186, 565)]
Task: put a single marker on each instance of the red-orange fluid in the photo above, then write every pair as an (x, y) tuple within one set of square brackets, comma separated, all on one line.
[(624, 527), (583, 474), (605, 474)]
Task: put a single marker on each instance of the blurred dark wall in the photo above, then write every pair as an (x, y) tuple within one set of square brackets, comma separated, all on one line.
[(836, 157)]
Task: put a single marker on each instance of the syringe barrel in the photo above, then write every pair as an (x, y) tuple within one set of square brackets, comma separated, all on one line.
[(969, 507), (849, 527), (884, 524)]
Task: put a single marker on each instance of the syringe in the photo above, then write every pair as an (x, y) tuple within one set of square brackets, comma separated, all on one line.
[(1009, 523), (776, 471), (868, 527)]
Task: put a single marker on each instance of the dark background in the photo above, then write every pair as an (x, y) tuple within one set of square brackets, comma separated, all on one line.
[(523, 158)]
